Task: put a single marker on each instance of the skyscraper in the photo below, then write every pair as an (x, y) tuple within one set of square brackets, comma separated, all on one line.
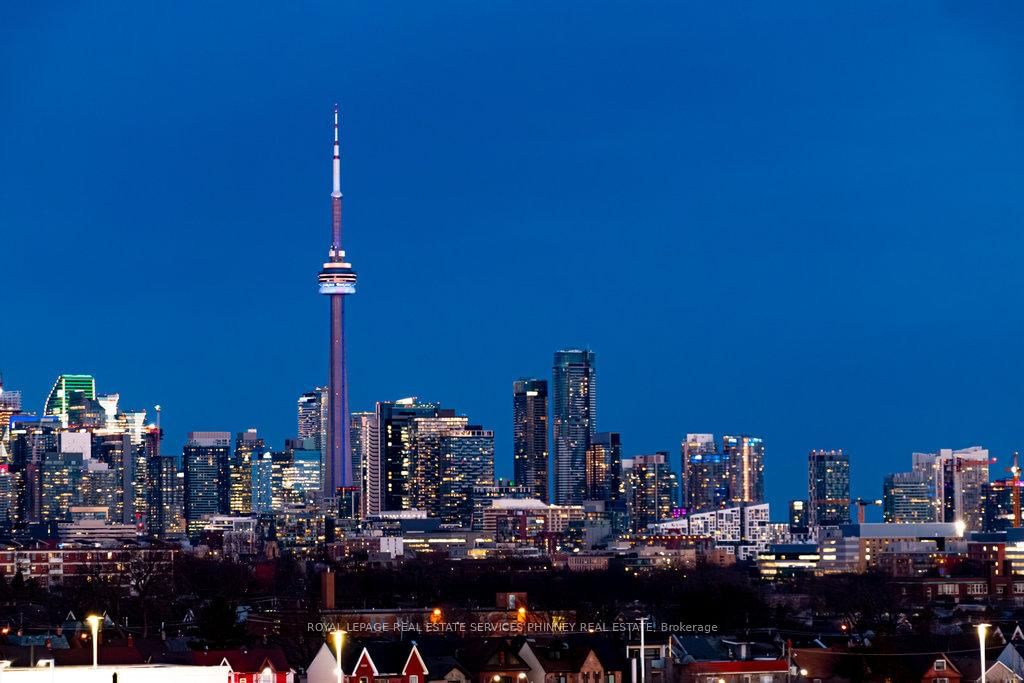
[(165, 502), (60, 482), (99, 487), (427, 459), (302, 475), (263, 484), (364, 447), (604, 468), (651, 489), (828, 488), (337, 280), (530, 435), (574, 421), (706, 474), (59, 401), (249, 445), (960, 477), (908, 498), (119, 454), (313, 414), (746, 468), (997, 509), (30, 439), (10, 405), (390, 470), (206, 458), (467, 460)]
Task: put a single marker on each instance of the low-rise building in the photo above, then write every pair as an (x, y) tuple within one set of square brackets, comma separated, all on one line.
[(788, 560), (744, 530)]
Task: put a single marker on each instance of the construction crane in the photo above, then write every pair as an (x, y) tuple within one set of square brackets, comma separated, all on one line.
[(1014, 469), (861, 504)]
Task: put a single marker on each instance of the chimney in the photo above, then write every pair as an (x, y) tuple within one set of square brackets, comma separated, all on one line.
[(327, 589)]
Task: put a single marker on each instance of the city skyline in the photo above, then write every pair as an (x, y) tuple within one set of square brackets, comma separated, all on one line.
[(880, 333)]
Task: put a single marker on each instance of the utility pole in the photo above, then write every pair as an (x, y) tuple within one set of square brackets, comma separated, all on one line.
[(643, 650)]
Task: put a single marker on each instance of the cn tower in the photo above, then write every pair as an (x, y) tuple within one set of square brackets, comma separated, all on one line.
[(337, 280)]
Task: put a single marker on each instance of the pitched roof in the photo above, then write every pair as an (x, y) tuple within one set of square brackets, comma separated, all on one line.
[(570, 652), (389, 658), (491, 654), (440, 665), (560, 655), (249, 660)]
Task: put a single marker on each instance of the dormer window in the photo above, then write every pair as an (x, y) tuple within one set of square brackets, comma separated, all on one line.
[(940, 665)]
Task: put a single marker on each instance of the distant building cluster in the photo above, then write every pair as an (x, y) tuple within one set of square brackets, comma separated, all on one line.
[(88, 472)]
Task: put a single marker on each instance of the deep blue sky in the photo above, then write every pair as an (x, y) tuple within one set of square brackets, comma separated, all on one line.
[(798, 220)]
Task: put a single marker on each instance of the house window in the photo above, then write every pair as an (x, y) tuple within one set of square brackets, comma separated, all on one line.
[(609, 678), (560, 678), (362, 679), (941, 680), (414, 679), (940, 665)]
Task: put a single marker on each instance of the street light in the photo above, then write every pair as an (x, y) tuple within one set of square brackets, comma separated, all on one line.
[(94, 624), (643, 650), (981, 642), (339, 639)]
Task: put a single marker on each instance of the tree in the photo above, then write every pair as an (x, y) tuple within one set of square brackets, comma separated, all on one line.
[(218, 625)]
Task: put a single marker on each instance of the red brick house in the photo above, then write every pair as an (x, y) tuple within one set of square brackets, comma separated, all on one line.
[(572, 660), (372, 662)]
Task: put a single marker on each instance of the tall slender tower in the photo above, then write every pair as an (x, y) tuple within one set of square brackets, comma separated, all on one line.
[(337, 280), (573, 422)]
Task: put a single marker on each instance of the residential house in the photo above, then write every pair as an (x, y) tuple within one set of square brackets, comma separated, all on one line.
[(373, 662), (572, 660)]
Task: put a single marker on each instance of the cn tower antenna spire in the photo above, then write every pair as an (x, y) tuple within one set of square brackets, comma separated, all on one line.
[(336, 190), (337, 158)]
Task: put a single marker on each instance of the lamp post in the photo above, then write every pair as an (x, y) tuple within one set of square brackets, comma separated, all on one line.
[(982, 628), (339, 640), (94, 624), (643, 649)]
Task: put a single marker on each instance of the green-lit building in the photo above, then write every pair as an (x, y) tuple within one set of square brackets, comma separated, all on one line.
[(65, 390)]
